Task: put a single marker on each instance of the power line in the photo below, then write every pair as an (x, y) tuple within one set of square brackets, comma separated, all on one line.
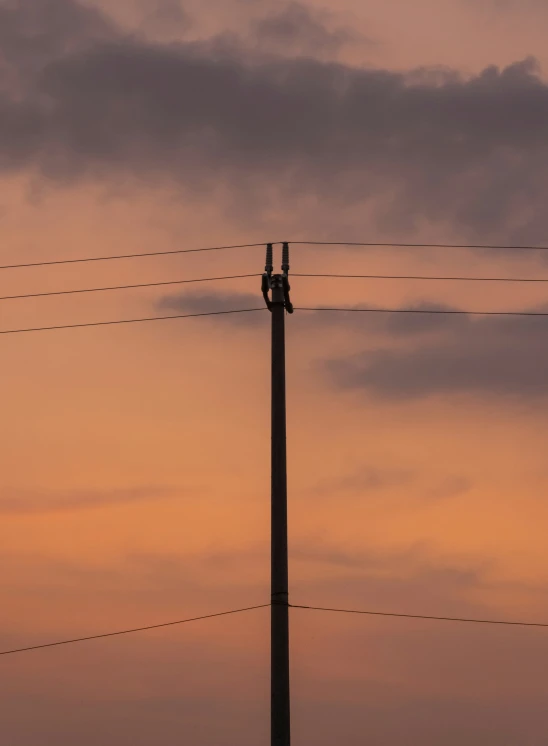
[(128, 321), (371, 244), (252, 310), (127, 256), (423, 616), (130, 631), (425, 277), (245, 276), (361, 612), (429, 311), (125, 287), (377, 244)]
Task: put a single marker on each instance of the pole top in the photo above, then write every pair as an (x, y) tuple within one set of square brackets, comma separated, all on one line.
[(270, 281)]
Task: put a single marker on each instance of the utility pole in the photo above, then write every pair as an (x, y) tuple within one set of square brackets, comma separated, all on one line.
[(280, 728)]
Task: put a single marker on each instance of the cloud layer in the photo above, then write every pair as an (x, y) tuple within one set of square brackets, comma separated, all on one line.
[(485, 357), (93, 102)]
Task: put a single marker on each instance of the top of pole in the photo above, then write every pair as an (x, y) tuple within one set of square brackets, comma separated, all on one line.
[(279, 281)]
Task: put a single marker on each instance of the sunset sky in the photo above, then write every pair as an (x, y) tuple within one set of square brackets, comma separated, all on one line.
[(135, 487)]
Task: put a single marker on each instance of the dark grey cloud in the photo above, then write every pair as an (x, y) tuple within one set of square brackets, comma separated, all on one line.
[(30, 502), (379, 324), (217, 302), (33, 34), (470, 151), (485, 356)]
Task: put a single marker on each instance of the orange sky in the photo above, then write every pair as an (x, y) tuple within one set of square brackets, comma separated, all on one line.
[(135, 486)]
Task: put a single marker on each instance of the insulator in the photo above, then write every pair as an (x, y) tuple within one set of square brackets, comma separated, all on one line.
[(269, 259), (285, 257)]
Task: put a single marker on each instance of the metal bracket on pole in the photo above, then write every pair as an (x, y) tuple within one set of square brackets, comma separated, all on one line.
[(275, 283)]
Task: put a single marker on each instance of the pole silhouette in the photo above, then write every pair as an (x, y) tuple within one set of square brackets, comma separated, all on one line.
[(278, 304)]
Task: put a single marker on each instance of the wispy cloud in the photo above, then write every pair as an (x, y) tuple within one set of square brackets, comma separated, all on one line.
[(297, 28), (19, 501), (366, 479)]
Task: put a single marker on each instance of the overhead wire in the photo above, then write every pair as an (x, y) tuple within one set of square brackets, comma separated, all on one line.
[(401, 245), (125, 287), (424, 277), (252, 310), (465, 620), (361, 612), (81, 260), (370, 244), (163, 283), (130, 631), (129, 321), (430, 311)]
